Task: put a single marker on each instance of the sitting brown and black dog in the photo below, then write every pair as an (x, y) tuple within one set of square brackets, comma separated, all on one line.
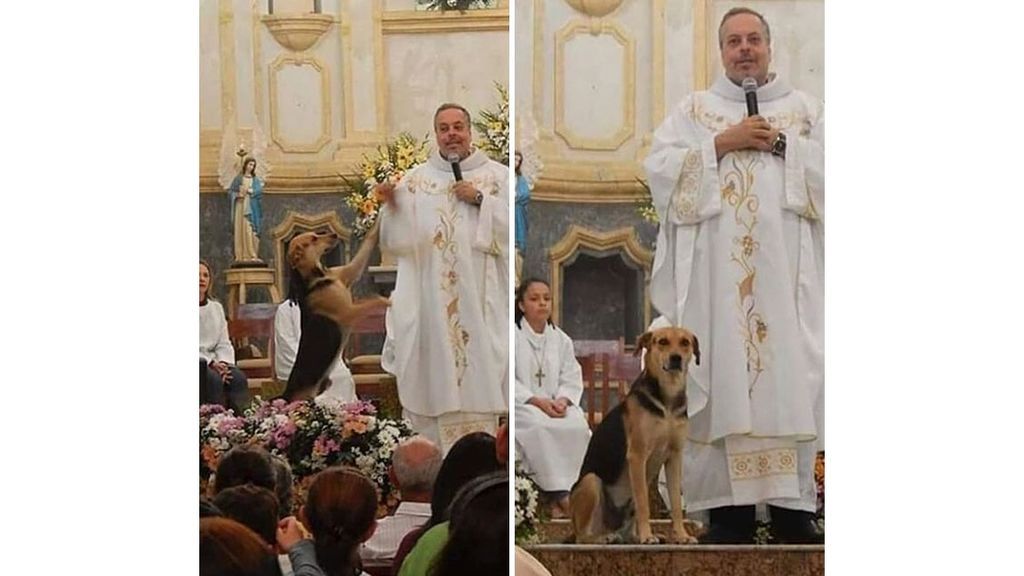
[(326, 307), (631, 445)]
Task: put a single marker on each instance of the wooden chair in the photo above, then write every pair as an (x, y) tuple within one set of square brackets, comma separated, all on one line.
[(371, 324), (252, 335), (606, 381), (587, 347), (372, 382)]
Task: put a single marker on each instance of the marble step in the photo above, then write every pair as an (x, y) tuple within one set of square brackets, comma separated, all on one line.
[(666, 560), (560, 531)]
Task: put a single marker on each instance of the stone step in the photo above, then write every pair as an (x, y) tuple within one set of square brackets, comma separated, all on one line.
[(560, 531), (665, 560)]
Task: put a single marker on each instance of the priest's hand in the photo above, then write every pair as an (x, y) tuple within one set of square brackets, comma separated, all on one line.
[(385, 192), (754, 132), (546, 405), (465, 191)]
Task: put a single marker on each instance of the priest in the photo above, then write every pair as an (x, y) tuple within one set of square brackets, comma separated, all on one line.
[(447, 222), (739, 189)]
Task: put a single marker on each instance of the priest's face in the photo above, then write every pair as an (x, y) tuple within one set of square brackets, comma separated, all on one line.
[(453, 133), (746, 51)]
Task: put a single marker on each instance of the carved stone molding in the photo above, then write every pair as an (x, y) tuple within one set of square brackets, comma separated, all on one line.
[(295, 222), (578, 239), (595, 8), (298, 32), (430, 22), (627, 85), (276, 134)]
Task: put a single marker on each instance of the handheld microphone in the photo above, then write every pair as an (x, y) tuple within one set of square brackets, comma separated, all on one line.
[(456, 169), (750, 88)]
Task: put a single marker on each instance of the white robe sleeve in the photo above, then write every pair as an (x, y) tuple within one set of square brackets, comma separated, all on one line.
[(682, 172), (523, 367), (805, 165), (492, 225), (287, 331), (570, 374), (398, 223), (221, 351), (224, 351), (682, 169), (523, 392)]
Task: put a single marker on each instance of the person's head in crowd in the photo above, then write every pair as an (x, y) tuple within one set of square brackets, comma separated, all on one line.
[(245, 465), (341, 512), (283, 485), (207, 509), (227, 548), (533, 302), (414, 467), (254, 506), (478, 529), (472, 455)]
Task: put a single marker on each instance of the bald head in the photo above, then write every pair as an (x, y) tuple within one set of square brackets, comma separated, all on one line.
[(416, 461)]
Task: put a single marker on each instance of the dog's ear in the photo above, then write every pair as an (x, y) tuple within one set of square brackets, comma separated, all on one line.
[(696, 348), (295, 254), (644, 341)]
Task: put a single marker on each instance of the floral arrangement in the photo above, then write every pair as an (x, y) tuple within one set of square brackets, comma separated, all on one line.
[(493, 126), (819, 481), (310, 435), (391, 161), (527, 516), (645, 206), (461, 5)]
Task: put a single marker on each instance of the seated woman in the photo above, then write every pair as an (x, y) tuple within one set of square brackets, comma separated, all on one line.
[(551, 430), (341, 512), (220, 381)]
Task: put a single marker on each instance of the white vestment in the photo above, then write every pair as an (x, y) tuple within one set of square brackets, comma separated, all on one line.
[(287, 332), (552, 448), (447, 326), (739, 262)]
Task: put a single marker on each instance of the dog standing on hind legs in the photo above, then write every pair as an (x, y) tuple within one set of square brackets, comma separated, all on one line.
[(326, 307), (632, 443)]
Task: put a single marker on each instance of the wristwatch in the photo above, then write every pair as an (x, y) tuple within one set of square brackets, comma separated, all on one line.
[(779, 146), (479, 198)]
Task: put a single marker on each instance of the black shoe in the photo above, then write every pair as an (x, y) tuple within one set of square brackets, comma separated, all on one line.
[(795, 527), (730, 525)]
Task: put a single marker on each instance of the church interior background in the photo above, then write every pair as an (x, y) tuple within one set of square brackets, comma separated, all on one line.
[(326, 82)]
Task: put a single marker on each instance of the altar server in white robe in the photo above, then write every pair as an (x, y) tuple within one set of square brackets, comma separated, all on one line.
[(447, 327), (739, 262), (287, 332), (551, 430)]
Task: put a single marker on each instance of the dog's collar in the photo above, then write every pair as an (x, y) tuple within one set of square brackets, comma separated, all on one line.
[(321, 282), (649, 395)]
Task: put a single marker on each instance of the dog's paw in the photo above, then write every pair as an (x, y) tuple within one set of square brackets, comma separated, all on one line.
[(650, 539)]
